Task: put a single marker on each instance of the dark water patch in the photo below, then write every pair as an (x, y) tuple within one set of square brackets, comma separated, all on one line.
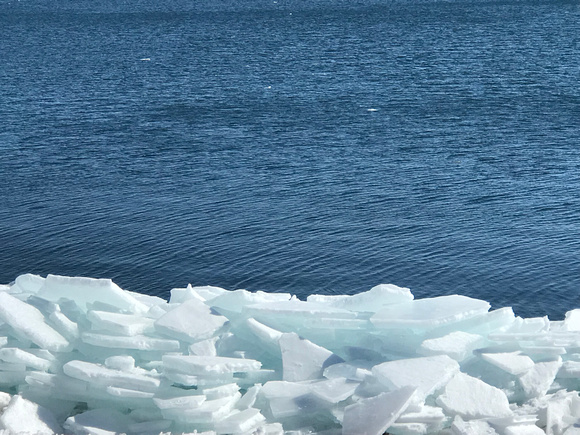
[(290, 146)]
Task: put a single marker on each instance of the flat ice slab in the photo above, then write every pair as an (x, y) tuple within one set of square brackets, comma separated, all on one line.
[(473, 399), (209, 365), (458, 345), (426, 374), (104, 377), (374, 415), (303, 360), (429, 313), (369, 301), (191, 321), (512, 362), (29, 323), (86, 291)]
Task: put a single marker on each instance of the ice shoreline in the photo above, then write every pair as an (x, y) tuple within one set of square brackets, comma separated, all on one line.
[(81, 355)]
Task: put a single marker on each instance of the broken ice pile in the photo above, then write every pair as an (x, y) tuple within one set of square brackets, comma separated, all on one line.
[(80, 355)]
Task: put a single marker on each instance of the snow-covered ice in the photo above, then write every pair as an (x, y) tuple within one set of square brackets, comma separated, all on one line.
[(81, 355)]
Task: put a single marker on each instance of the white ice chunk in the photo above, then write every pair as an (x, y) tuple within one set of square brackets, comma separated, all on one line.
[(237, 299), (334, 390), (19, 356), (103, 376), (88, 291), (569, 370), (427, 374), (156, 311), (295, 308), (512, 362), (129, 393), (65, 326), (3, 341), (209, 412), (273, 429), (124, 363), (22, 416), (148, 300), (346, 370), (182, 402), (562, 411), (27, 283), (374, 415), (522, 329), (207, 292), (302, 359), (226, 390), (98, 422), (572, 320), (370, 301), (28, 322), (482, 324), (155, 427), (429, 313), (180, 295), (537, 381), (472, 398), (138, 342), (276, 389), (202, 293), (191, 321), (410, 429), (63, 384), (4, 400), (182, 379), (204, 347), (427, 414), (473, 427), (118, 323), (208, 365), (266, 334), (524, 429), (249, 398), (458, 345), (240, 422)]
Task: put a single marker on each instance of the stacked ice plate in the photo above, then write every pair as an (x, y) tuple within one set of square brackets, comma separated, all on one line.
[(81, 355)]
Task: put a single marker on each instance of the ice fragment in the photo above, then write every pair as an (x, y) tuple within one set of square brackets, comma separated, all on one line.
[(22, 416), (103, 376), (427, 374), (472, 398), (29, 322), (512, 362), (87, 291), (370, 301), (240, 422), (537, 381), (429, 313), (191, 321), (374, 415), (458, 345), (208, 365)]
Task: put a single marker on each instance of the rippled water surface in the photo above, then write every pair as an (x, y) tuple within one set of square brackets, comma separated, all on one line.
[(304, 146)]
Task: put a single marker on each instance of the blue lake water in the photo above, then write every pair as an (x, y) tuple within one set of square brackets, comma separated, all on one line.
[(320, 146)]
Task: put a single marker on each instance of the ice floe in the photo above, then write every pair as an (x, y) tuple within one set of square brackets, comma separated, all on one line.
[(83, 356)]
